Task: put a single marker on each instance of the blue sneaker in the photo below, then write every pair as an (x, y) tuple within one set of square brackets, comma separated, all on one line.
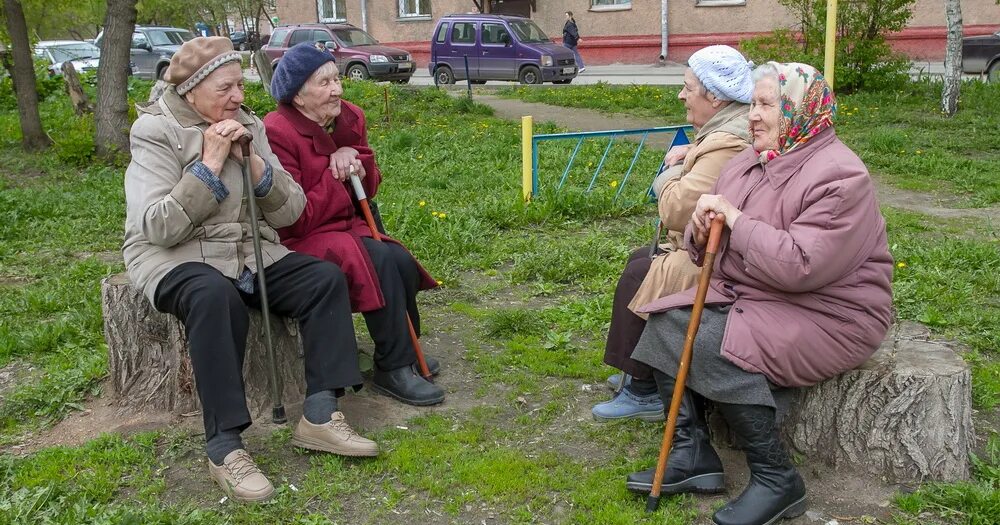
[(616, 379), (628, 405)]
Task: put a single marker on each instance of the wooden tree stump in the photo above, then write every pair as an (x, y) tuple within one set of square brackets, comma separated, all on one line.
[(905, 415), (148, 361), (81, 102)]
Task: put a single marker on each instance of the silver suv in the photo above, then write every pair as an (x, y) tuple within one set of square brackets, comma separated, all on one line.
[(152, 48)]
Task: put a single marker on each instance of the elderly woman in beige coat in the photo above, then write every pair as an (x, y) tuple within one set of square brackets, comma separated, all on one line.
[(188, 248), (717, 88)]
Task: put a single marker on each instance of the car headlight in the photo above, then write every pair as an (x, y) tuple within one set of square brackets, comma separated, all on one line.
[(408, 57), (546, 60), (377, 58)]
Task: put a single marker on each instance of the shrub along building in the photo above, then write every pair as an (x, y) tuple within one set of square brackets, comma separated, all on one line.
[(627, 31)]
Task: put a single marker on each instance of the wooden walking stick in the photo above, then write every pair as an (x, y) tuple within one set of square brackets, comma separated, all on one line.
[(359, 192), (714, 235)]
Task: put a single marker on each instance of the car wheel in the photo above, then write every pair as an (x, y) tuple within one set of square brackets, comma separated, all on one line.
[(993, 73), (443, 75), (357, 72), (243, 46), (530, 75), (160, 72)]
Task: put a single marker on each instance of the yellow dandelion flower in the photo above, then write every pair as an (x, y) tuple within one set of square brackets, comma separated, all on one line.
[(434, 213), (919, 152), (440, 283), (901, 264), (422, 203), (614, 184), (902, 151), (442, 215)]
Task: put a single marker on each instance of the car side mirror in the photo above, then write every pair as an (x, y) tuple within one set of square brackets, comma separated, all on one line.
[(144, 46), (331, 45)]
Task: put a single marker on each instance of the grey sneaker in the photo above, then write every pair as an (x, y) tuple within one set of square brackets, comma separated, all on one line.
[(240, 477)]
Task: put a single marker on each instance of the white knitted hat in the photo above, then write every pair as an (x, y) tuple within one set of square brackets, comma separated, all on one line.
[(724, 72)]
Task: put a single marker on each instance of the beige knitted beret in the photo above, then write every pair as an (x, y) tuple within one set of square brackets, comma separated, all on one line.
[(196, 59)]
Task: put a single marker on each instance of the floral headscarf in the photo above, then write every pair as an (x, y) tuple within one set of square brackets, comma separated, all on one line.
[(807, 107)]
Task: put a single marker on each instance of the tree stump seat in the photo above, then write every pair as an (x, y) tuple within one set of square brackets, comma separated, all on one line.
[(149, 366), (905, 415)]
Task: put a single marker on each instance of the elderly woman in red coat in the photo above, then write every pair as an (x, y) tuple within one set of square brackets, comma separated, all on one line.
[(801, 292), (320, 140)]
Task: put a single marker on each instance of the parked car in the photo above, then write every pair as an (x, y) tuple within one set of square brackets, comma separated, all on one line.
[(84, 56), (152, 48), (239, 39), (358, 55), (498, 47), (981, 54)]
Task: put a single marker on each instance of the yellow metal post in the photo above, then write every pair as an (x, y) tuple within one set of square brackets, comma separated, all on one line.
[(526, 134), (831, 41)]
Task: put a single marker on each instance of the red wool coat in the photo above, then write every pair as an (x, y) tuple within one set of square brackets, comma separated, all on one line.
[(331, 226), (806, 267)]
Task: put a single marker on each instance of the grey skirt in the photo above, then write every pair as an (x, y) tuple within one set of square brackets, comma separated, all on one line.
[(711, 374)]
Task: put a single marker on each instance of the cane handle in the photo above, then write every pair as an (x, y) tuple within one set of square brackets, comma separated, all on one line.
[(715, 233), (359, 190), (244, 141)]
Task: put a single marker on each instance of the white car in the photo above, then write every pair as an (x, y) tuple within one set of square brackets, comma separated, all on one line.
[(84, 55)]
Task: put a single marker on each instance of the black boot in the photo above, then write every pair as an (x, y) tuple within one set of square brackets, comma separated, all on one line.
[(693, 465), (776, 490), (405, 385)]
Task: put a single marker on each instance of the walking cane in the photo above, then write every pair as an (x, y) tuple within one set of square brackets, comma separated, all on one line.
[(715, 233), (278, 412), (359, 192)]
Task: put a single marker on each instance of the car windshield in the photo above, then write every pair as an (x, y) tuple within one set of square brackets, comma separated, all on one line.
[(160, 37), (73, 52), (528, 32), (354, 37)]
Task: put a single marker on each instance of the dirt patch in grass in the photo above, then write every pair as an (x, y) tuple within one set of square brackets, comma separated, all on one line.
[(937, 205)]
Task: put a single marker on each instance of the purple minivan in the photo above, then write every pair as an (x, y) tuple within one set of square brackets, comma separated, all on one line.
[(498, 47)]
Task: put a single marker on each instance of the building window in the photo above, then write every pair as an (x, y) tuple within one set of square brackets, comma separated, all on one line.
[(411, 8), (610, 5), (719, 3), (332, 10)]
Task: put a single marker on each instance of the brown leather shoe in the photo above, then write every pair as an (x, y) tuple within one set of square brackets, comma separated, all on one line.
[(335, 436), (240, 477)]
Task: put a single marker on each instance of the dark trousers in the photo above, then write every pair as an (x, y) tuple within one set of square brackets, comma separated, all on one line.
[(215, 317), (626, 327), (399, 280)]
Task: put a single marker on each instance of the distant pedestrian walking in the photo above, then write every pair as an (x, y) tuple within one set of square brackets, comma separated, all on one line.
[(571, 39)]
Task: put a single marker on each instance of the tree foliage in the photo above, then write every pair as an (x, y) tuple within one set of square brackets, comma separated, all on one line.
[(864, 58)]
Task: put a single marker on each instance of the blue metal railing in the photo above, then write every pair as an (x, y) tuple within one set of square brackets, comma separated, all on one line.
[(679, 138)]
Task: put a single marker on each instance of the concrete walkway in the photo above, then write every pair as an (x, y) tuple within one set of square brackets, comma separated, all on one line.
[(669, 74)]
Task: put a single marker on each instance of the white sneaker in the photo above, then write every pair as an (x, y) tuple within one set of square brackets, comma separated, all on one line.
[(582, 69)]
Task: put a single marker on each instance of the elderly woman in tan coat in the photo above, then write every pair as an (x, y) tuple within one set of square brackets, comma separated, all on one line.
[(188, 248), (717, 88)]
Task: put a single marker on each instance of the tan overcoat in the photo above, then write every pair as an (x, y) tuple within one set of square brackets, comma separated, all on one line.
[(723, 137)]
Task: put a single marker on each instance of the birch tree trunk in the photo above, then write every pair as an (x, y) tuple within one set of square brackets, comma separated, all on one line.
[(33, 136), (111, 117), (953, 58)]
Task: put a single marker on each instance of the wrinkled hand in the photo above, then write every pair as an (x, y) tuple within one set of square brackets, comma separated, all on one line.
[(705, 210), (220, 142), (676, 155), (342, 161)]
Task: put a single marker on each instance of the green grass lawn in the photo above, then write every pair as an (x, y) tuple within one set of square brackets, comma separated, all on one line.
[(902, 136), (452, 194)]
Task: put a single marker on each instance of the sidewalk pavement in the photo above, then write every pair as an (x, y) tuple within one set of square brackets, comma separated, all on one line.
[(670, 74)]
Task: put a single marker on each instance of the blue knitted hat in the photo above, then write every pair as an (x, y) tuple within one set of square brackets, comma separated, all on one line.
[(295, 67)]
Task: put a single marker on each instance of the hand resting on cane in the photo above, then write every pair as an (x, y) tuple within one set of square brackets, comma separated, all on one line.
[(221, 140), (707, 207)]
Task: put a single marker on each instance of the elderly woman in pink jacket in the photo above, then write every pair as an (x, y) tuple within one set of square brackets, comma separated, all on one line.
[(801, 293)]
